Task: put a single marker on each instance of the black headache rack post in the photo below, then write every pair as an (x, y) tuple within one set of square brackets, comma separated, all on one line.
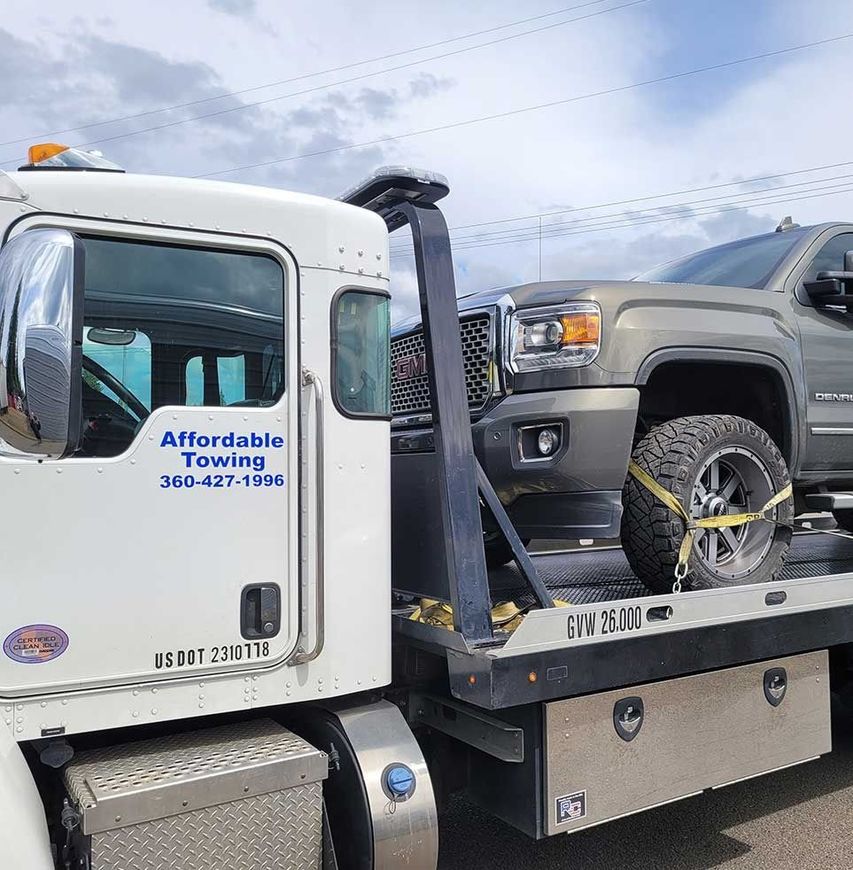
[(401, 197)]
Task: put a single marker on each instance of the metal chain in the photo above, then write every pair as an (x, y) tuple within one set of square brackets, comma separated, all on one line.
[(681, 571)]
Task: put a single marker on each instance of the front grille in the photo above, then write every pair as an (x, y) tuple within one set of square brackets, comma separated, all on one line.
[(409, 380)]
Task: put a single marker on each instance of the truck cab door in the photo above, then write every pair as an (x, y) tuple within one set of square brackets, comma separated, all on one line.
[(162, 540), (826, 337)]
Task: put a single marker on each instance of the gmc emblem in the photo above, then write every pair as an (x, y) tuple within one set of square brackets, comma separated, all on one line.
[(409, 367)]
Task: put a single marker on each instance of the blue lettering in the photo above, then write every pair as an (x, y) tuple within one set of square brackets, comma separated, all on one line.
[(253, 446), (254, 440)]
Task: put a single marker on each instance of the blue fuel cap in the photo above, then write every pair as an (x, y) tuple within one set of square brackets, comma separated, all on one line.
[(399, 781)]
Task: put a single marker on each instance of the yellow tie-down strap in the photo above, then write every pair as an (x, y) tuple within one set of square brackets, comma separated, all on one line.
[(691, 524), (506, 616)]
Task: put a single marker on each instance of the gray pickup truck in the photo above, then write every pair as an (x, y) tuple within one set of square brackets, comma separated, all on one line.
[(725, 375)]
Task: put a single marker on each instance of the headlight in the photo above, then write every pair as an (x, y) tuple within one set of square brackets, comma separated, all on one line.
[(560, 336)]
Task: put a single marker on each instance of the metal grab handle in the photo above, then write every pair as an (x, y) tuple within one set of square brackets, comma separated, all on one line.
[(301, 657)]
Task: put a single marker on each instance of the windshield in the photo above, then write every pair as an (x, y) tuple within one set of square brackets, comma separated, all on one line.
[(744, 263)]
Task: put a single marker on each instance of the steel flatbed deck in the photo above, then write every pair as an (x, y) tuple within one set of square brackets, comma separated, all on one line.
[(616, 634), (589, 576)]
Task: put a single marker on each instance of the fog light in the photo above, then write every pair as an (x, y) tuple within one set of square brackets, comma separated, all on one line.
[(540, 442), (547, 442)]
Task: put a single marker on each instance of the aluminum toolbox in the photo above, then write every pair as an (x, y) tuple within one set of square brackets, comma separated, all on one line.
[(246, 797), (679, 737)]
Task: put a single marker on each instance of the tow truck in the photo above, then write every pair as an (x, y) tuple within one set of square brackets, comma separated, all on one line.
[(208, 658)]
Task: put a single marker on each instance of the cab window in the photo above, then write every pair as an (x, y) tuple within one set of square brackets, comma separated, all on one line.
[(361, 385), (175, 325)]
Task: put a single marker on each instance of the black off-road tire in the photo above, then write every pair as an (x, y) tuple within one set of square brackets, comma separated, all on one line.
[(674, 453)]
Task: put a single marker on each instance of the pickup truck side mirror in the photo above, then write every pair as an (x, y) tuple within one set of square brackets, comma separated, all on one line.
[(41, 327), (833, 289)]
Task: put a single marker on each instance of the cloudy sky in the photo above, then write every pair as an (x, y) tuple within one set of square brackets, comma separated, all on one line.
[(624, 174)]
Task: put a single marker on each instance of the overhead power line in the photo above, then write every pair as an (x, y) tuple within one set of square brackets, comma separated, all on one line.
[(622, 225), (547, 229), (304, 76), (323, 87), (701, 211), (666, 195), (530, 233), (525, 109)]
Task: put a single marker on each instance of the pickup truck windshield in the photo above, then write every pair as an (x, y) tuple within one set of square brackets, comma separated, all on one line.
[(744, 263)]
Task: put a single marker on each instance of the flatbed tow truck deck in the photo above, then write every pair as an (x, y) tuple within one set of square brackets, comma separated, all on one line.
[(595, 575), (615, 633)]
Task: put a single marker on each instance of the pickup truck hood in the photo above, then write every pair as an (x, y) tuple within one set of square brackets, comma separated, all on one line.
[(535, 294), (614, 296), (640, 318)]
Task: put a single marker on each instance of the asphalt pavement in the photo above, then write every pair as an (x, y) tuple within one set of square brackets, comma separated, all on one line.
[(799, 818)]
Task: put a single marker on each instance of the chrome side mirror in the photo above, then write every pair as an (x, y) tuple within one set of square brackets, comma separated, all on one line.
[(41, 326)]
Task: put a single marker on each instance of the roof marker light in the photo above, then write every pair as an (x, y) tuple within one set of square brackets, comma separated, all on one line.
[(51, 155), (44, 151)]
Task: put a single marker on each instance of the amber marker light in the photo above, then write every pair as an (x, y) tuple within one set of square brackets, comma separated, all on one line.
[(581, 327), (44, 151)]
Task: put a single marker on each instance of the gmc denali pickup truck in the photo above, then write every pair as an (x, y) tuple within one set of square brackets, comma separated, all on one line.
[(725, 375)]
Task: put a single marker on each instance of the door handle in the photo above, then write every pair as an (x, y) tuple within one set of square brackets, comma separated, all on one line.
[(302, 656), (628, 717), (260, 611)]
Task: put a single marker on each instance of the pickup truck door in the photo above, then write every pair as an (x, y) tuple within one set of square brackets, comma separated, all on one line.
[(826, 337)]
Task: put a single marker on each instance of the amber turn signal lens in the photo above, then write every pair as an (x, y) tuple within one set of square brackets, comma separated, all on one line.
[(581, 327), (44, 151)]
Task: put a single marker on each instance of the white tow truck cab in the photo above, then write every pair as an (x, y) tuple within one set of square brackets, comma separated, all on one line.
[(195, 389), (196, 534)]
